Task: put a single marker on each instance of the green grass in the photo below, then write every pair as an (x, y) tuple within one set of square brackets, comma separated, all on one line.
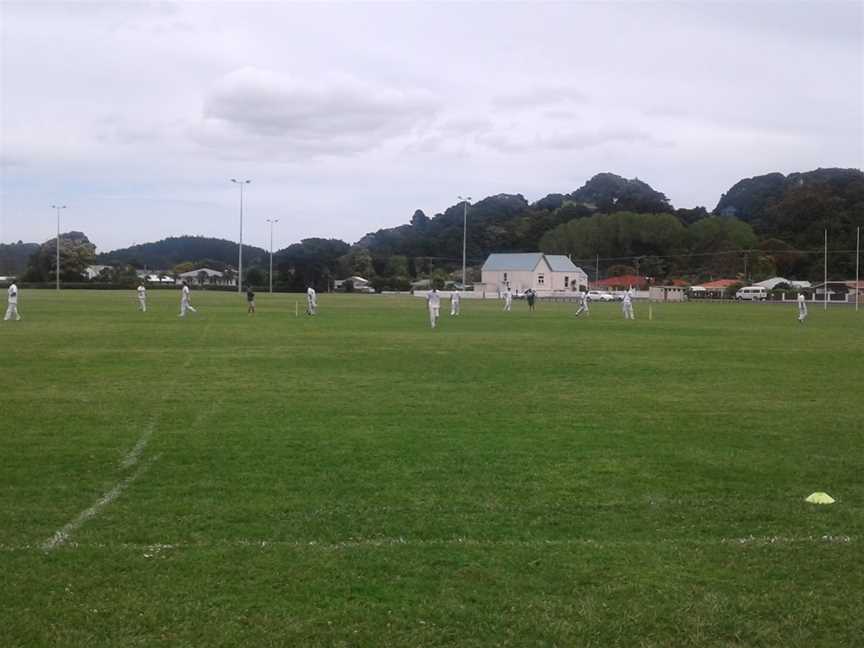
[(357, 479)]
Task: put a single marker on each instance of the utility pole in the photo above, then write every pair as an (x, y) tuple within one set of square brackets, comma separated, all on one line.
[(825, 285), (272, 221), (857, 267), (57, 268), (597, 272), (465, 202), (240, 263)]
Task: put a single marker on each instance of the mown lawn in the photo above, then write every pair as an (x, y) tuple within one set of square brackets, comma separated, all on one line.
[(357, 479)]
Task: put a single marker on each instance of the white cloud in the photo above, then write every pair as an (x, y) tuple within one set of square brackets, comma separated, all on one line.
[(255, 108), (136, 114)]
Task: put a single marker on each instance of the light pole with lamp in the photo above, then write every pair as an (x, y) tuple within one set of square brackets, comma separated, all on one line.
[(240, 263), (465, 202), (58, 208), (272, 221)]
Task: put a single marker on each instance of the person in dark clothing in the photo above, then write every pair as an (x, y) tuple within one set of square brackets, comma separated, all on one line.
[(530, 295), (250, 299)]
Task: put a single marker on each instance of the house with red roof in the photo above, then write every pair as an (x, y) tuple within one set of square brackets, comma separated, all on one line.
[(623, 282)]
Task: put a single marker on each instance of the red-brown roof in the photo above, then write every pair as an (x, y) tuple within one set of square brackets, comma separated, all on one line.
[(679, 282), (624, 281), (720, 283)]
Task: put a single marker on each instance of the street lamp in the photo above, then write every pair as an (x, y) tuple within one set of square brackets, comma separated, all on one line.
[(465, 202), (58, 208), (272, 221), (240, 263)]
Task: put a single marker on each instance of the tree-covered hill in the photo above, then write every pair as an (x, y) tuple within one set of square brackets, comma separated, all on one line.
[(169, 252), (763, 225), (798, 208), (14, 257), (509, 223)]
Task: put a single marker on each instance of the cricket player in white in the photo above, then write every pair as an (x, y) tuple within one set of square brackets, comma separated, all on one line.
[(802, 308), (311, 301), (433, 299), (184, 301), (142, 298), (627, 306), (455, 302), (12, 303), (583, 304), (508, 300)]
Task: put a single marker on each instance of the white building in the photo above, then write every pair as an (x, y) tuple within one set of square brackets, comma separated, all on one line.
[(210, 277), (771, 284), (544, 273), (360, 284), (93, 271)]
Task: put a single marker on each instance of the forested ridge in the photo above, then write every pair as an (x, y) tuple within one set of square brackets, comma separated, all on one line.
[(765, 225)]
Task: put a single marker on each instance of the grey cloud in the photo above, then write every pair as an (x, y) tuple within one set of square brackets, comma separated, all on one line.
[(566, 141), (542, 96), (326, 116)]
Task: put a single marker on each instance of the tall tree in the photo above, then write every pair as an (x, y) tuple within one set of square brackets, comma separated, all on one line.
[(76, 253)]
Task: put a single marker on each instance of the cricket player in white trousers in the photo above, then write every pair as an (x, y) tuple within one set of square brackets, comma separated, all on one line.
[(802, 308), (311, 301), (627, 306), (184, 301), (508, 300), (12, 303), (142, 298), (583, 304), (433, 299), (455, 303)]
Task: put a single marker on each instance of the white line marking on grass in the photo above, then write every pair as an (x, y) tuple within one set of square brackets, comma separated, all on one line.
[(62, 538), (62, 535), (135, 453)]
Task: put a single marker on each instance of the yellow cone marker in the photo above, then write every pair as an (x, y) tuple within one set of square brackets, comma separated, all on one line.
[(820, 498)]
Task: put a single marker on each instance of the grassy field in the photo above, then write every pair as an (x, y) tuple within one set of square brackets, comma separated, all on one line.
[(357, 479)]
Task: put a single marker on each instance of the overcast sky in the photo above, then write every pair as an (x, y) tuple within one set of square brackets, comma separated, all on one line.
[(348, 117)]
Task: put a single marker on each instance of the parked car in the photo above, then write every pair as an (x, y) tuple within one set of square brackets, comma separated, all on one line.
[(600, 295), (752, 293)]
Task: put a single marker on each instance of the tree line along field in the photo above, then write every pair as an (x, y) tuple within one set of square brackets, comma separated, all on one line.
[(357, 479)]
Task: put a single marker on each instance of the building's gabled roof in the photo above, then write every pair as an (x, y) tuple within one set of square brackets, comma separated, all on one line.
[(772, 283), (208, 271), (513, 262), (719, 283), (624, 281), (561, 263)]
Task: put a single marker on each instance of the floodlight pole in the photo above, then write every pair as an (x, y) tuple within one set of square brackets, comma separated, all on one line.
[(825, 285), (240, 261), (57, 269), (597, 273), (857, 267), (272, 221), (465, 202)]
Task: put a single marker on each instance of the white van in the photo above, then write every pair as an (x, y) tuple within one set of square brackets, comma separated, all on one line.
[(752, 293)]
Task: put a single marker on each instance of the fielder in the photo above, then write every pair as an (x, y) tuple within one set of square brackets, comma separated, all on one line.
[(311, 301), (433, 299), (12, 303), (627, 306), (508, 300), (802, 308), (530, 295), (142, 298), (583, 304), (250, 299), (455, 303), (185, 303)]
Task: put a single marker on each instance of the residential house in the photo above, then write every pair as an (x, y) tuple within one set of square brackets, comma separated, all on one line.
[(544, 273), (209, 277)]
